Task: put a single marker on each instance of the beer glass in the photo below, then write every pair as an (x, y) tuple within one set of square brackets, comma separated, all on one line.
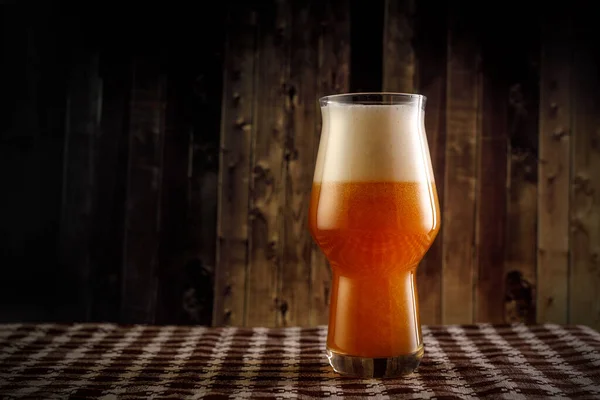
[(374, 213)]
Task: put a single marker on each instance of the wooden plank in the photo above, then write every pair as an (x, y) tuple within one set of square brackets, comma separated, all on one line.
[(234, 168), (189, 201), (521, 225), (142, 218), (203, 169), (173, 203), (554, 171), (398, 53), (463, 102), (332, 78), (84, 101), (584, 275), (301, 142), (430, 77), (267, 182), (111, 178), (491, 188)]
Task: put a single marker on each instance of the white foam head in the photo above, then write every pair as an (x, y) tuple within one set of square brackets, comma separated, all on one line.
[(366, 143)]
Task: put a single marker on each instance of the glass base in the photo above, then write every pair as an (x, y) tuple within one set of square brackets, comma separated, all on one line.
[(386, 367)]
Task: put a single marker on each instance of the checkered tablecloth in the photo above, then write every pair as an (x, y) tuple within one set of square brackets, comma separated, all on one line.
[(111, 361)]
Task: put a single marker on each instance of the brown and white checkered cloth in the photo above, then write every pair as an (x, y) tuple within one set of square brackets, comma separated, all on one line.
[(111, 361)]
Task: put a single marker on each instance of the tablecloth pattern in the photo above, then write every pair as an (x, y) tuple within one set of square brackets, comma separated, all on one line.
[(136, 361)]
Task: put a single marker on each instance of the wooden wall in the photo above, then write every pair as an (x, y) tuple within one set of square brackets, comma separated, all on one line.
[(512, 142), (279, 61), (110, 158), (162, 175)]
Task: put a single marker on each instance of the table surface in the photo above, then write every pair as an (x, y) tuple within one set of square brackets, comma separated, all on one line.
[(138, 361)]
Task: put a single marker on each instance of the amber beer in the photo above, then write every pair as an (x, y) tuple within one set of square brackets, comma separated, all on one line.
[(374, 213)]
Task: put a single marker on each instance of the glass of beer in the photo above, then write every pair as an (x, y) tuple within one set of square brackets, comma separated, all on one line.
[(374, 213)]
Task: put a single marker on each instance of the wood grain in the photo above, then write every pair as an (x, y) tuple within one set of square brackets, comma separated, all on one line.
[(430, 77), (267, 182), (398, 53), (127, 123), (145, 168), (554, 171), (189, 205), (206, 91), (300, 144), (523, 127), (235, 157), (463, 102), (83, 113), (491, 189), (173, 199), (332, 78), (111, 181), (584, 275)]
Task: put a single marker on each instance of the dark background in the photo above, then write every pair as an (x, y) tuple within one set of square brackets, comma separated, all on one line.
[(114, 123)]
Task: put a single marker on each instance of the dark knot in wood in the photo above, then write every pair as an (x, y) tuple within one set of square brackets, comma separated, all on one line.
[(559, 133), (553, 110), (519, 299), (283, 308)]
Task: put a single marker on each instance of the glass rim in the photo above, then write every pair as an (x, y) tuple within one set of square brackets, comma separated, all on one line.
[(374, 98)]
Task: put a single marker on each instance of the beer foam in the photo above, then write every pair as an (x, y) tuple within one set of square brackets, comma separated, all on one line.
[(361, 143)]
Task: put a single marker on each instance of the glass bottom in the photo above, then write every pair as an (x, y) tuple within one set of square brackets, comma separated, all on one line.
[(385, 367)]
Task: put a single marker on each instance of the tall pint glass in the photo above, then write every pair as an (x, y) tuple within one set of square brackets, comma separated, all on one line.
[(374, 213)]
